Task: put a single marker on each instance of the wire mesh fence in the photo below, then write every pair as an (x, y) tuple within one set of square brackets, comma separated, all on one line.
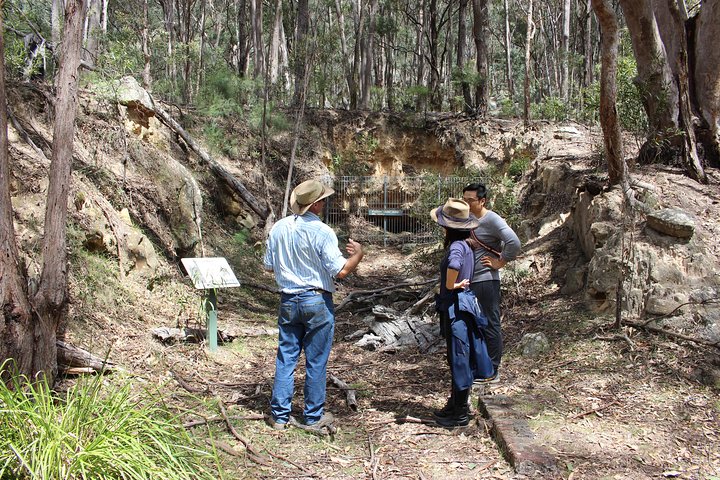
[(390, 210)]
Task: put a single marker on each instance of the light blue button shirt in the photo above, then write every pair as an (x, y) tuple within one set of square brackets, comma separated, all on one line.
[(304, 254)]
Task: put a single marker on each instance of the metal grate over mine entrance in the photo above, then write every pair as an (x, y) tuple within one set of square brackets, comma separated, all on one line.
[(390, 210)]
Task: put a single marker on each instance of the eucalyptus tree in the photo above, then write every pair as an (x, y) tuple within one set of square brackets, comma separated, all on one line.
[(612, 138), (481, 36), (30, 318), (530, 33), (93, 30), (663, 40)]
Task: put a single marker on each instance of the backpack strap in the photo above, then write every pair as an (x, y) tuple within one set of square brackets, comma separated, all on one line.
[(475, 239)]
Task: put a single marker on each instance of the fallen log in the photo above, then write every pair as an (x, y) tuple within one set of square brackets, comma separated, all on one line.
[(236, 185), (74, 360), (390, 330), (169, 336)]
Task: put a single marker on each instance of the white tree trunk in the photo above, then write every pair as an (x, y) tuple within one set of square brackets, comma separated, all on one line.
[(508, 48), (274, 54), (92, 32), (528, 42), (565, 76), (56, 21)]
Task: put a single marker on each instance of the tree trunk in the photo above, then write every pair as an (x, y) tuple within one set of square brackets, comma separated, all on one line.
[(241, 39), (460, 59), (608, 91), (16, 334), (56, 22), (359, 22), (274, 53), (256, 12), (92, 32), (389, 49), (145, 40), (480, 33), (168, 7), (346, 59), (565, 47), (50, 302), (692, 163), (528, 43), (367, 57), (508, 50), (419, 56), (28, 334), (658, 89), (706, 74), (301, 50), (201, 49), (588, 47)]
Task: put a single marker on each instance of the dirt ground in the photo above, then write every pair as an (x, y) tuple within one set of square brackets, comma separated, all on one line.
[(606, 404)]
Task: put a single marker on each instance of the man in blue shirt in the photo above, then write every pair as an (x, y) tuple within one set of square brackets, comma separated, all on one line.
[(303, 253)]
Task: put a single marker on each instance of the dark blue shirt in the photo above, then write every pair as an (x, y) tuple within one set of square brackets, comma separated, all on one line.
[(458, 257)]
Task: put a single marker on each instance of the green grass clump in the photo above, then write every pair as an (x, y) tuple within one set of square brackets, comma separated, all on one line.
[(93, 431)]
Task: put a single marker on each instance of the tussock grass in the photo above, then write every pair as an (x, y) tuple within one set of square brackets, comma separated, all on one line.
[(93, 431)]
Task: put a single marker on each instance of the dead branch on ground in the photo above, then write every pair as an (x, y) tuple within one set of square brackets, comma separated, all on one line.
[(350, 394), (237, 435), (669, 333), (365, 295)]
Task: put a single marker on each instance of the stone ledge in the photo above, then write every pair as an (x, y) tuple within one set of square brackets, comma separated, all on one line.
[(515, 438)]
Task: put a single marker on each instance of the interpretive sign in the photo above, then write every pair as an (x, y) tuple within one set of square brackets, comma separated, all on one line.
[(209, 273), (385, 212)]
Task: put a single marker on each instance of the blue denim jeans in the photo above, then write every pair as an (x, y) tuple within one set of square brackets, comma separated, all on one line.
[(306, 322)]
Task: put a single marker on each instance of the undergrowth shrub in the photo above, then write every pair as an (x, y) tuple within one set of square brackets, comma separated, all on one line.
[(94, 431)]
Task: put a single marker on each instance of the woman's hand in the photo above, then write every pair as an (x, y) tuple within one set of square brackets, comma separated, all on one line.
[(463, 284)]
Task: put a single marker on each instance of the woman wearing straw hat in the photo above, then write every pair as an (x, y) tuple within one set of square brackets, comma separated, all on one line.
[(460, 317), (303, 253)]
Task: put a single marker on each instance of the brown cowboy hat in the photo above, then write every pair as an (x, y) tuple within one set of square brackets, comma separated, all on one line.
[(307, 193), (455, 214)]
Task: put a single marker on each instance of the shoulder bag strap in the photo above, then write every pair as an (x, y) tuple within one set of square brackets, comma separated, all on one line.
[(486, 247)]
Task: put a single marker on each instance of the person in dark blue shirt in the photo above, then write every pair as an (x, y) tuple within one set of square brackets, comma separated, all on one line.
[(456, 271)]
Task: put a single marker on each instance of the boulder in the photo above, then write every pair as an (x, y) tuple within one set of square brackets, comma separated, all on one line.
[(131, 94), (671, 221), (665, 300), (534, 344), (574, 280)]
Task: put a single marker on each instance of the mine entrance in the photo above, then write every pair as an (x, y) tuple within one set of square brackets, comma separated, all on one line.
[(390, 210)]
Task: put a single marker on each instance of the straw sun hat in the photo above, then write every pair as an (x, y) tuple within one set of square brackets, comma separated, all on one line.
[(455, 214), (307, 193)]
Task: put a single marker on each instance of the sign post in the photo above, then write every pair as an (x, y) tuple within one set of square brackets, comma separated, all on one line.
[(208, 274)]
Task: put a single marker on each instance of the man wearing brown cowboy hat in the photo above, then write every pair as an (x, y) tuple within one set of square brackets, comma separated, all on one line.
[(303, 253)]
